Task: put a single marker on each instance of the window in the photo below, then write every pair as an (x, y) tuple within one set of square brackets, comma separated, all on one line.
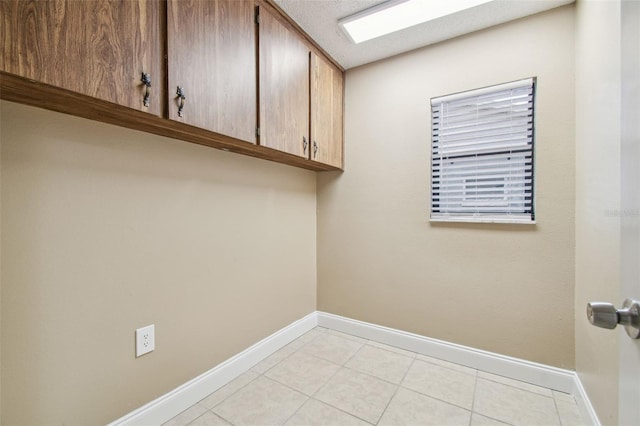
[(482, 155)]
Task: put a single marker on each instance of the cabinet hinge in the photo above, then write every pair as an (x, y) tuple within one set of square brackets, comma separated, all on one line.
[(257, 16), (257, 132)]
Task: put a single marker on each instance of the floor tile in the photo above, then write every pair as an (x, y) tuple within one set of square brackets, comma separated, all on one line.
[(316, 413), (478, 420), (447, 364), (306, 338), (347, 336), (303, 372), (209, 419), (392, 349), (562, 396), (568, 409), (273, 359), (228, 389), (357, 393), (261, 402), (442, 383), (411, 408), (327, 377), (389, 366), (332, 348), (187, 416), (515, 406), (515, 383)]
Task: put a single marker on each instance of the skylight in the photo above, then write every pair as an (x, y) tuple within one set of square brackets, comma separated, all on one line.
[(396, 15)]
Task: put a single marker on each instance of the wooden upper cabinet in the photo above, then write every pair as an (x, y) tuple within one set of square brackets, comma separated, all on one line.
[(98, 48), (326, 112), (284, 87), (212, 59)]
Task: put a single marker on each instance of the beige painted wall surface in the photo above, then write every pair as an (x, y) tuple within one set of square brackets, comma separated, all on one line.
[(105, 230), (502, 288), (598, 197)]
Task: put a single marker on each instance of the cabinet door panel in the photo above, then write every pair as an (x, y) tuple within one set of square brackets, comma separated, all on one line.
[(99, 48), (326, 112), (212, 57), (284, 88)]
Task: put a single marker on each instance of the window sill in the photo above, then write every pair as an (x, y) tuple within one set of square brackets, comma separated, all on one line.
[(469, 219)]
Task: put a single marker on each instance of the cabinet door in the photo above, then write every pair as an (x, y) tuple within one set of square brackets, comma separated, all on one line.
[(284, 88), (212, 58), (99, 48), (326, 112)]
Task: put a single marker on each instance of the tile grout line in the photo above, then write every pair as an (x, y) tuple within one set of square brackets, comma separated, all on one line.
[(286, 385), (555, 404), (415, 354), (340, 367), (448, 368), (515, 387), (225, 419), (398, 385), (296, 411), (228, 396), (436, 398), (312, 397), (473, 401), (309, 397), (397, 389), (287, 356), (363, 343), (258, 374)]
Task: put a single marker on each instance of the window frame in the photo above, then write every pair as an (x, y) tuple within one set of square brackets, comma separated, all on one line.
[(528, 216)]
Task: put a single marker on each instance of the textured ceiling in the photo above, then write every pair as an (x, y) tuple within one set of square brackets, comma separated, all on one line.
[(319, 18)]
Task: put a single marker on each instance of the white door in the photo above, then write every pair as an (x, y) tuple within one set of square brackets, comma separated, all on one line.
[(629, 395)]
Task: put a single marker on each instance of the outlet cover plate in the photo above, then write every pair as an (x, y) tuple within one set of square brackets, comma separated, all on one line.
[(145, 340)]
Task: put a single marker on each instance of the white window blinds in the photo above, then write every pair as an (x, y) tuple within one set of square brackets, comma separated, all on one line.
[(482, 154)]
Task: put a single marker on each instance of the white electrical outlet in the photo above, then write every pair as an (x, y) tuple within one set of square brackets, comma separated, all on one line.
[(145, 340)]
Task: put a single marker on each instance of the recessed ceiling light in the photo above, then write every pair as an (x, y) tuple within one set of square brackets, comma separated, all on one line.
[(396, 15)]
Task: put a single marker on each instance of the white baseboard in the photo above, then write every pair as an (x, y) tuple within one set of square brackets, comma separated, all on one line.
[(514, 368), (173, 403), (584, 403)]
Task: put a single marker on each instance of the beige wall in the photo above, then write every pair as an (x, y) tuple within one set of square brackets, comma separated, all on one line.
[(105, 230), (597, 196), (502, 288)]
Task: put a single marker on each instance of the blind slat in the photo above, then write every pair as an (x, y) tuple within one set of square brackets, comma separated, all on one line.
[(514, 85)]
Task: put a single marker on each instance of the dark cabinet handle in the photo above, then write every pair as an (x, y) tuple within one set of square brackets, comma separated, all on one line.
[(182, 97), (304, 144), (315, 149), (146, 80)]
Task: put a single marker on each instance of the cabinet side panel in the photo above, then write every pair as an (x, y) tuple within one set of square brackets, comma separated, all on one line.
[(337, 127), (326, 112)]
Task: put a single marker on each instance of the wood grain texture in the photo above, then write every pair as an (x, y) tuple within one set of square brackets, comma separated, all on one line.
[(293, 25), (326, 112), (29, 92), (99, 48), (211, 55), (284, 87)]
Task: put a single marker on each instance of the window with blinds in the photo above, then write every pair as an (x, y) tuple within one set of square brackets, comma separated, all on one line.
[(482, 154)]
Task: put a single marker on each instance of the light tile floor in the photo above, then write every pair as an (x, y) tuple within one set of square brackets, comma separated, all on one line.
[(330, 378)]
